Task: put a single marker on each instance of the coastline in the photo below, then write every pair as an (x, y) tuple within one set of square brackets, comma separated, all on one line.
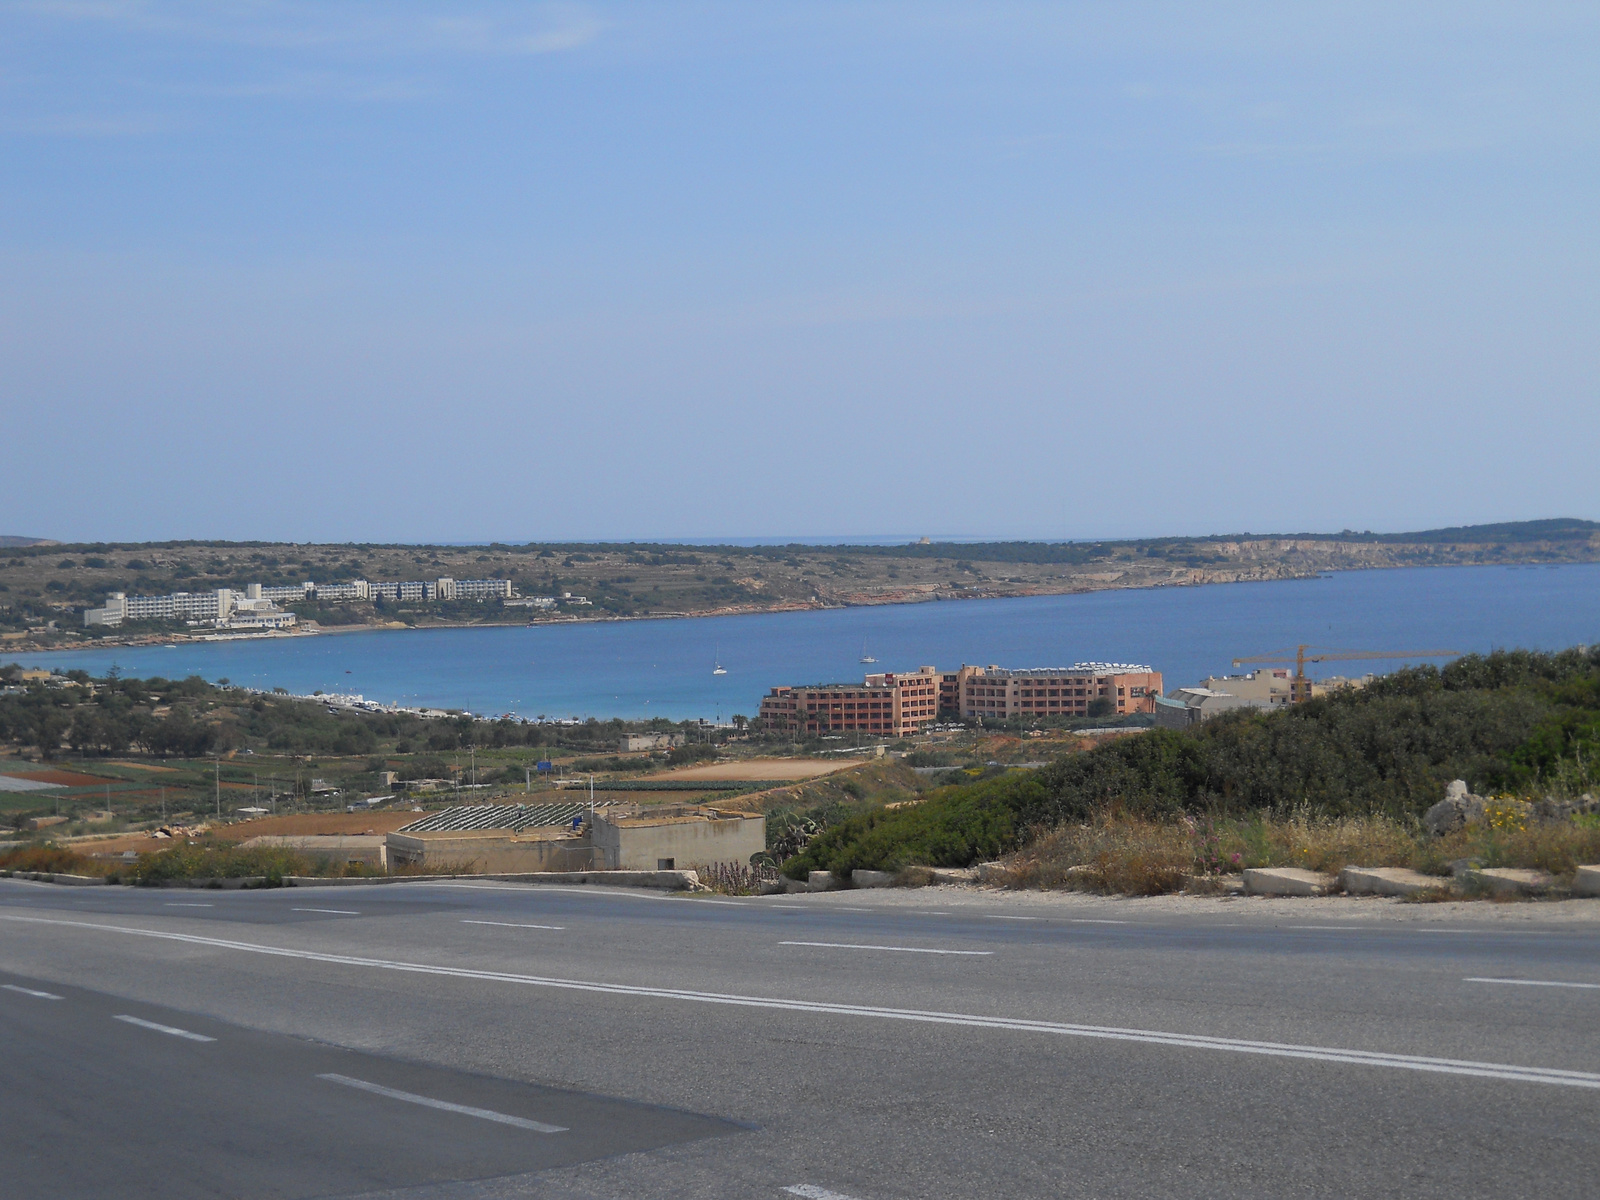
[(642, 667), (1081, 584), (890, 598)]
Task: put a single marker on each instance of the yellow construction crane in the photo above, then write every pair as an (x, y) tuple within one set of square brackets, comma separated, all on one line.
[(1300, 686)]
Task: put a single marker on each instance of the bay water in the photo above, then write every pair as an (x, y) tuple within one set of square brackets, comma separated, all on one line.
[(663, 668)]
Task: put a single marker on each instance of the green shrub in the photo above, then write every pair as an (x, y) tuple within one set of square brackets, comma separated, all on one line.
[(204, 861), (953, 827)]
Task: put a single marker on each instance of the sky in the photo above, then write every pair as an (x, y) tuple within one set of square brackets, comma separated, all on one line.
[(491, 271)]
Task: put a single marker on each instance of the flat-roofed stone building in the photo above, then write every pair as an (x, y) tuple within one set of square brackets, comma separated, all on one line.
[(676, 839)]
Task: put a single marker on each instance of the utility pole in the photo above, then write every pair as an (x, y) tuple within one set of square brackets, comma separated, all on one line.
[(219, 788)]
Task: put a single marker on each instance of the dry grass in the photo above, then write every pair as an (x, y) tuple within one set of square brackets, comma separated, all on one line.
[(1123, 855), (1127, 856), (54, 859)]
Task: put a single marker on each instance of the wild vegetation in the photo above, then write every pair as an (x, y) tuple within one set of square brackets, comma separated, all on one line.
[(1348, 774)]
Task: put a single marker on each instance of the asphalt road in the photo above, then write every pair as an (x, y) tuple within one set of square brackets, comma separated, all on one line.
[(487, 1040)]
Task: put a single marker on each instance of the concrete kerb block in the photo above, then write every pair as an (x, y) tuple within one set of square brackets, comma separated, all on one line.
[(342, 881), (60, 877), (1586, 882), (1506, 881), (821, 881), (1287, 881), (1388, 881), (872, 879)]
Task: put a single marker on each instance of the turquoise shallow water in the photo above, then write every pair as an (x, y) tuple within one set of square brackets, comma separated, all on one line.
[(641, 669)]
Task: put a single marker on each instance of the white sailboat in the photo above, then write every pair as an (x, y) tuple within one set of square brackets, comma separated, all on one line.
[(719, 669), (865, 657)]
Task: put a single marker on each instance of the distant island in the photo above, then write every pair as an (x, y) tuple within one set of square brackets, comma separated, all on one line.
[(46, 587)]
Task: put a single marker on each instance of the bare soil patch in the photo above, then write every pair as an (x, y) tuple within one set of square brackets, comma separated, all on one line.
[(64, 778), (766, 768)]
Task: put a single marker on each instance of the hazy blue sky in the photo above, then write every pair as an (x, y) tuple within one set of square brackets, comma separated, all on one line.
[(404, 271)]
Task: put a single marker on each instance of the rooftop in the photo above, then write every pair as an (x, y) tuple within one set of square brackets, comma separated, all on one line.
[(1086, 668), (514, 817)]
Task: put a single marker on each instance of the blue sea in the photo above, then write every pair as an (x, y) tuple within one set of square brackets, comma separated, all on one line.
[(663, 668)]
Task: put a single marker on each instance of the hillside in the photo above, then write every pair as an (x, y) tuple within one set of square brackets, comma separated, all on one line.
[(1514, 722)]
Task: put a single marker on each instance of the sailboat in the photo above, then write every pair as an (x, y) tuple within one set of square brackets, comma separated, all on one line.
[(719, 669), (865, 657)]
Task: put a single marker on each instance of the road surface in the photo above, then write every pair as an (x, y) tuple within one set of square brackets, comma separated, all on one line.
[(460, 1039)]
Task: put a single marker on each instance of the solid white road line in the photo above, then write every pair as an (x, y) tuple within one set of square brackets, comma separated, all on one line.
[(187, 904), (1532, 982), (11, 987), (512, 925), (1094, 921), (343, 912), (995, 917), (812, 1192), (788, 906), (173, 1030), (1509, 1072), (728, 903), (483, 1114), (897, 949)]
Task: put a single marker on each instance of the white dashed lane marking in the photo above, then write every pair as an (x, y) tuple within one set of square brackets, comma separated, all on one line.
[(11, 987), (169, 1029), (512, 925), (466, 1110)]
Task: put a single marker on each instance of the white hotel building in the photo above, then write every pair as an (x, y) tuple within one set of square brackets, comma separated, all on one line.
[(260, 602)]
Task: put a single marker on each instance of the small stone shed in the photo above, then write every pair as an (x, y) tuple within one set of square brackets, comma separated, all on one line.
[(490, 851), (676, 838)]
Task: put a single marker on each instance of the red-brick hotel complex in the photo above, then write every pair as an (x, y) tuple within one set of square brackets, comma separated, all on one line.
[(897, 705)]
